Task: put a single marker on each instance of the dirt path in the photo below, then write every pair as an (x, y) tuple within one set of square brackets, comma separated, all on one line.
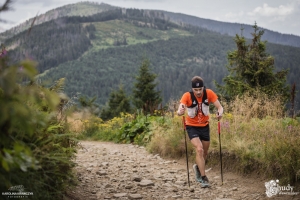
[(125, 171)]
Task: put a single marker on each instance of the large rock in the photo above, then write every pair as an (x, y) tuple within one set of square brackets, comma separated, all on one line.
[(136, 178), (135, 196), (101, 173), (145, 183), (118, 195)]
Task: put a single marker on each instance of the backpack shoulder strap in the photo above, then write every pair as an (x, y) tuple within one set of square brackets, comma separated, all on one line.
[(204, 98), (194, 100)]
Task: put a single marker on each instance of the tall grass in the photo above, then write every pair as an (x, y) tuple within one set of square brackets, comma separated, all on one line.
[(260, 137), (168, 139)]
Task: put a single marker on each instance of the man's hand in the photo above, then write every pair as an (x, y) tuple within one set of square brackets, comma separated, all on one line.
[(181, 110), (219, 108), (218, 116)]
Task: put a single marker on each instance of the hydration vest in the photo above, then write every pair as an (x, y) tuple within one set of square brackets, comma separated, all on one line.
[(204, 105)]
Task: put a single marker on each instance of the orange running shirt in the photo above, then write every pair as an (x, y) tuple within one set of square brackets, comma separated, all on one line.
[(200, 119)]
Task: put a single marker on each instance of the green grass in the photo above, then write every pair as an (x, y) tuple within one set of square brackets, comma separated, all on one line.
[(109, 31), (83, 9)]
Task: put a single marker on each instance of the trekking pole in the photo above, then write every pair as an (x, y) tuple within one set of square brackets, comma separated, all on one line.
[(219, 131), (186, 154)]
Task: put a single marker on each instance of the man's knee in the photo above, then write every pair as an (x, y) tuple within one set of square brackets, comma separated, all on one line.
[(200, 151)]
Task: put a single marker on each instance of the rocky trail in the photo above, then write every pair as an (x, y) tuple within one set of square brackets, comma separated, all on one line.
[(125, 171)]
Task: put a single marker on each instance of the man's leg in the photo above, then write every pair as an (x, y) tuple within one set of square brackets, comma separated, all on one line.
[(205, 145), (200, 160)]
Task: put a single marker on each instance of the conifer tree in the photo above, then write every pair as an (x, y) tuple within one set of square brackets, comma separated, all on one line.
[(252, 69), (144, 93), (118, 103)]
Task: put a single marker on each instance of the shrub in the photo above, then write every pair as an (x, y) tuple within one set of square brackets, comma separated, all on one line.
[(95, 128), (36, 150), (135, 130)]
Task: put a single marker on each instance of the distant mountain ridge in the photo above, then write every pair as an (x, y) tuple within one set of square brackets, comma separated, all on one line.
[(77, 9), (89, 8), (232, 29)]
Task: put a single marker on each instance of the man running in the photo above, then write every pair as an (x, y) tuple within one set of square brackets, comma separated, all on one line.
[(197, 122)]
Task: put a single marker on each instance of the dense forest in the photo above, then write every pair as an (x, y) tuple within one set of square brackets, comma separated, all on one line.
[(175, 61), (96, 54)]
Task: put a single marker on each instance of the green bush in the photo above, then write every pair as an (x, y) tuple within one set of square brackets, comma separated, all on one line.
[(94, 128), (134, 131), (36, 151), (90, 127)]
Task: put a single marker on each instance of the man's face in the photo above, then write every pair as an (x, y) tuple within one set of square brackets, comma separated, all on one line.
[(198, 91)]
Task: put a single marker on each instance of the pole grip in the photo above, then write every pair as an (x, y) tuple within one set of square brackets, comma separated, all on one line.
[(219, 128)]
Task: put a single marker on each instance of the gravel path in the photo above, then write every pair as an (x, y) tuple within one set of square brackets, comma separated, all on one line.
[(125, 171)]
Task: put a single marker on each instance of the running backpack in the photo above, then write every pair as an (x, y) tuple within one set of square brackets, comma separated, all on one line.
[(193, 109)]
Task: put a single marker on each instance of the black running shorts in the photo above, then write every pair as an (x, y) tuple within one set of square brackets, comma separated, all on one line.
[(196, 131)]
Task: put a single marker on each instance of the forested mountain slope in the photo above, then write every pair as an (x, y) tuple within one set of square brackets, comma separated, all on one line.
[(175, 61), (97, 53)]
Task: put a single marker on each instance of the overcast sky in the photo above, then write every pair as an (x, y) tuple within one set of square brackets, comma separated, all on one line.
[(278, 15)]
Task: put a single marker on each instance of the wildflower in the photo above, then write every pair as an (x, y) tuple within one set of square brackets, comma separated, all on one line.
[(225, 124), (3, 52)]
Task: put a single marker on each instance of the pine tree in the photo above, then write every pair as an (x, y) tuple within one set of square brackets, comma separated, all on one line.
[(118, 103), (145, 96), (251, 69)]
